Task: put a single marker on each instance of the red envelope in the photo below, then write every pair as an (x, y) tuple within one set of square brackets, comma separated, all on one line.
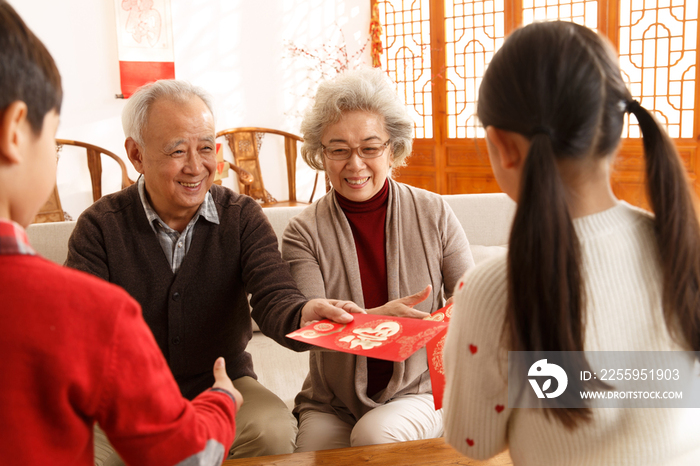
[(381, 337), (435, 348)]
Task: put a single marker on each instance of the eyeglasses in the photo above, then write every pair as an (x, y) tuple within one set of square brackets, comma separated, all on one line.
[(339, 152), (59, 148)]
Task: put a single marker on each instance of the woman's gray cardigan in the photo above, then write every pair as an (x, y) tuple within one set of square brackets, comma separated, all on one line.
[(425, 244)]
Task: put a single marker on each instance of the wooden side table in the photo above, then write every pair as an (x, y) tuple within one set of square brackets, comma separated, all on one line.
[(417, 453)]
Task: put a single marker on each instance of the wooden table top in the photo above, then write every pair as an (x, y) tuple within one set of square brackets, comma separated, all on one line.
[(419, 452)]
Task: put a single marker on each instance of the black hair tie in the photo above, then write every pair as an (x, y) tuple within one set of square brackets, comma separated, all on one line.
[(632, 106), (546, 130)]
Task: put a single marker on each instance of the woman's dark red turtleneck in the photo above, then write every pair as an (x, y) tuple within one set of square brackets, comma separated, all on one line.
[(368, 224)]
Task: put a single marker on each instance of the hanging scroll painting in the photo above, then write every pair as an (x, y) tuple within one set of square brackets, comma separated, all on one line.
[(145, 41)]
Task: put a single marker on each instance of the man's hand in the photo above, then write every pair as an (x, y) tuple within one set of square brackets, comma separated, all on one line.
[(403, 307), (222, 380), (331, 309)]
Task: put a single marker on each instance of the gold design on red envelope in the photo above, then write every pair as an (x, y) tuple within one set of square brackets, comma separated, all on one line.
[(437, 317), (324, 326), (435, 362), (437, 356), (440, 315), (408, 344), (321, 329), (371, 335)]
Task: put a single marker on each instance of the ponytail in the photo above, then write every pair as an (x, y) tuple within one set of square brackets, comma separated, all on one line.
[(559, 85), (545, 310), (676, 227), (543, 239)]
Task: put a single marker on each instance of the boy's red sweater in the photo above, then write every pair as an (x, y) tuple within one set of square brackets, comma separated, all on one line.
[(76, 350)]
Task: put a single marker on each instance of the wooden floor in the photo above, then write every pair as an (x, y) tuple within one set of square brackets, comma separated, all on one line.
[(420, 452)]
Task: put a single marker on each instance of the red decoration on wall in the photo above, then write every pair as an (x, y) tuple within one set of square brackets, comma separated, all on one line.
[(144, 42), (375, 34), (134, 74)]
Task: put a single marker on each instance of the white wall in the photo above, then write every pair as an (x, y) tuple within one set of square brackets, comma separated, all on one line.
[(236, 49)]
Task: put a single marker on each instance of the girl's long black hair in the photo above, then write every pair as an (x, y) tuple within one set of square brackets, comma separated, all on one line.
[(559, 84)]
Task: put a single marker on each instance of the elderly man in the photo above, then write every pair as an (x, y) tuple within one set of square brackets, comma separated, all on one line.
[(190, 252)]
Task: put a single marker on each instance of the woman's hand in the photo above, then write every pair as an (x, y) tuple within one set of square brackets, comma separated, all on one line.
[(223, 381), (403, 307)]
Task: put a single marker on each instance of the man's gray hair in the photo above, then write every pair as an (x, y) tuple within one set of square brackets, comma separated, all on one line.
[(135, 113), (367, 89)]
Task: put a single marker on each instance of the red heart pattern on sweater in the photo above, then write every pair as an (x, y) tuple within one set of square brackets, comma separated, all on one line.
[(470, 442), (499, 408), (473, 349), (461, 284)]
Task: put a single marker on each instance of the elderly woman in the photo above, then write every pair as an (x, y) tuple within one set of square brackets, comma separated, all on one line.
[(373, 241)]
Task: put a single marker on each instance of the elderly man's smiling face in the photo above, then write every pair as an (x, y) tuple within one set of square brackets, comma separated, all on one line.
[(178, 158)]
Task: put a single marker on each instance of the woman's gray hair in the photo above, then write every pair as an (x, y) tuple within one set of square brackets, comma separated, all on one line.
[(135, 113), (369, 90)]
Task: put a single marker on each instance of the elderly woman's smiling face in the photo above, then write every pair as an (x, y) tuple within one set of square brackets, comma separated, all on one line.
[(356, 178)]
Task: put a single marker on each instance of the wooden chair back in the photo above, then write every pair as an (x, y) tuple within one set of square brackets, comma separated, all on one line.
[(94, 161), (52, 210), (245, 144), (222, 166)]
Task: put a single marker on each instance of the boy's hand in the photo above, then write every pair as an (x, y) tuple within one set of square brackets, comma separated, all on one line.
[(223, 381)]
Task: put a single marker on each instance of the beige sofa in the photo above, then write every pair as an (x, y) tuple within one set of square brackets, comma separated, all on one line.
[(486, 219)]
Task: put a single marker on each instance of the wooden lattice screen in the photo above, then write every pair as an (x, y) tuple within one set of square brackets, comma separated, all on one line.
[(406, 41), (437, 50), (658, 53), (473, 32)]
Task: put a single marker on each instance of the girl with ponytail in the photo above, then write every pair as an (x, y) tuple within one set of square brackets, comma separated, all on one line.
[(584, 271)]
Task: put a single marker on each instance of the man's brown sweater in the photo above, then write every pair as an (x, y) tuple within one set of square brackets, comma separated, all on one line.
[(201, 312)]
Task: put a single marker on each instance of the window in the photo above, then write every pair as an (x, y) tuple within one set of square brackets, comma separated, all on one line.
[(437, 50), (658, 55), (408, 58)]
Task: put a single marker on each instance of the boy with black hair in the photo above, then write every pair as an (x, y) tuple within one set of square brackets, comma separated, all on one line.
[(76, 349)]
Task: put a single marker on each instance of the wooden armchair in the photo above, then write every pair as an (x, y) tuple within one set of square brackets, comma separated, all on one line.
[(245, 144), (245, 179), (52, 210)]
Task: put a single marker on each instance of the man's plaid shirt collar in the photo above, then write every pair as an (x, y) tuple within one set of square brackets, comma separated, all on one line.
[(13, 239), (206, 210)]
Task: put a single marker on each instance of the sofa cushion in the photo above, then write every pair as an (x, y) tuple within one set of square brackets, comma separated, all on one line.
[(51, 239), (279, 369), (279, 218), (481, 253), (486, 219)]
